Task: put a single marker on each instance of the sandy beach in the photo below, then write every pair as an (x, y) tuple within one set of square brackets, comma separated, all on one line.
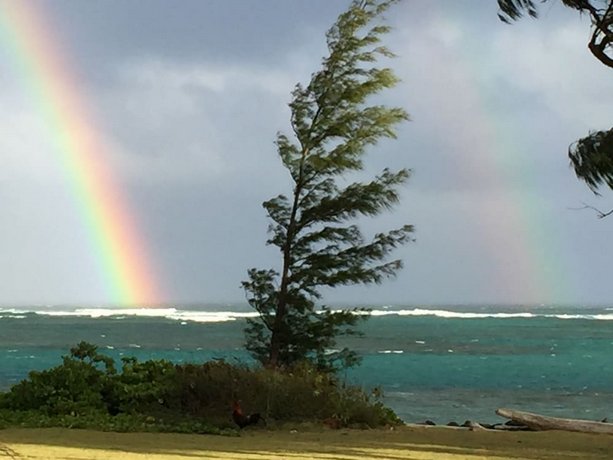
[(410, 443)]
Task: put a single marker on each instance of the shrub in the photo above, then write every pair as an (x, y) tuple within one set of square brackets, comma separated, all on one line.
[(86, 391), (76, 386), (143, 387)]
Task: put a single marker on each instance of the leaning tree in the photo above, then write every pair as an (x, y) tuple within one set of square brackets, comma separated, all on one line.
[(333, 124)]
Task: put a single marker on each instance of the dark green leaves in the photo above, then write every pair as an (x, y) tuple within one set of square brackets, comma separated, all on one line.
[(333, 124), (511, 10), (592, 159)]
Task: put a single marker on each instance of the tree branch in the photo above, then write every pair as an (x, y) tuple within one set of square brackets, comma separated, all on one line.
[(599, 213), (603, 24)]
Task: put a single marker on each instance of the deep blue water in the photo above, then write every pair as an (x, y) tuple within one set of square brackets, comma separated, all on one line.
[(441, 364)]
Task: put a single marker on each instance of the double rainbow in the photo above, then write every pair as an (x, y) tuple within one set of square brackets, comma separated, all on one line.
[(40, 61)]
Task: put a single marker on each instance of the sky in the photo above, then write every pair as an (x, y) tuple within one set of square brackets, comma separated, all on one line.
[(185, 100)]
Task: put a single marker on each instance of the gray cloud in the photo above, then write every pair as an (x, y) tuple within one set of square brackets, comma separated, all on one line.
[(190, 97)]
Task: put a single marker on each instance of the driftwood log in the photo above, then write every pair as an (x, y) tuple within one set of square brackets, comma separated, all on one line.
[(541, 422), (502, 427)]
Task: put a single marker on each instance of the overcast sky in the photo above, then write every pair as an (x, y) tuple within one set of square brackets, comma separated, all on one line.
[(189, 96)]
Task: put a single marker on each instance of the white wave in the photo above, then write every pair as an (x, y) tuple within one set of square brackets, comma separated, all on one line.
[(388, 352), (106, 312), (211, 317), (450, 314), (566, 316), (500, 315), (603, 317), (169, 313), (8, 312), (469, 315), (198, 316)]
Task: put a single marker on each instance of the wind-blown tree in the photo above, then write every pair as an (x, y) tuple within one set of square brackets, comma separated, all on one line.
[(333, 124), (591, 157)]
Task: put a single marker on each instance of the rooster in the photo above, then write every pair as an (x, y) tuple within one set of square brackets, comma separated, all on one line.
[(243, 420)]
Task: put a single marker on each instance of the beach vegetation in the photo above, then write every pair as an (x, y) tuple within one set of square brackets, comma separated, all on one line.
[(333, 122), (86, 391)]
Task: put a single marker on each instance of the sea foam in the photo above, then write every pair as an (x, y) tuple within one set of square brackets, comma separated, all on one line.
[(117, 313), (201, 316), (482, 315)]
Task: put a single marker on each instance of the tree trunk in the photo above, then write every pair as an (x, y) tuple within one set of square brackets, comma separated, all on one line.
[(541, 422), (275, 347), (275, 340)]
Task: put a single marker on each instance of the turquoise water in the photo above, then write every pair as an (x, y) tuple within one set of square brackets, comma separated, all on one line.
[(441, 364)]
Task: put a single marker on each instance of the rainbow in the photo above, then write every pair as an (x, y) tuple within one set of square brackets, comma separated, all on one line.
[(41, 62), (481, 145), (527, 260)]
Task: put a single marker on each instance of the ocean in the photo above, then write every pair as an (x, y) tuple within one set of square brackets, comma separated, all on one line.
[(432, 363)]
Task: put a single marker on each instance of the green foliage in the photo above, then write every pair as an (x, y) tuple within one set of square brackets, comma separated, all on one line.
[(301, 393), (592, 159), (75, 387), (146, 387), (192, 398), (511, 10), (332, 127)]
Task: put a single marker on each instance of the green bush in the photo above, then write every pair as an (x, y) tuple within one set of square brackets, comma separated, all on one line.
[(143, 387), (300, 394), (86, 391), (76, 386)]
